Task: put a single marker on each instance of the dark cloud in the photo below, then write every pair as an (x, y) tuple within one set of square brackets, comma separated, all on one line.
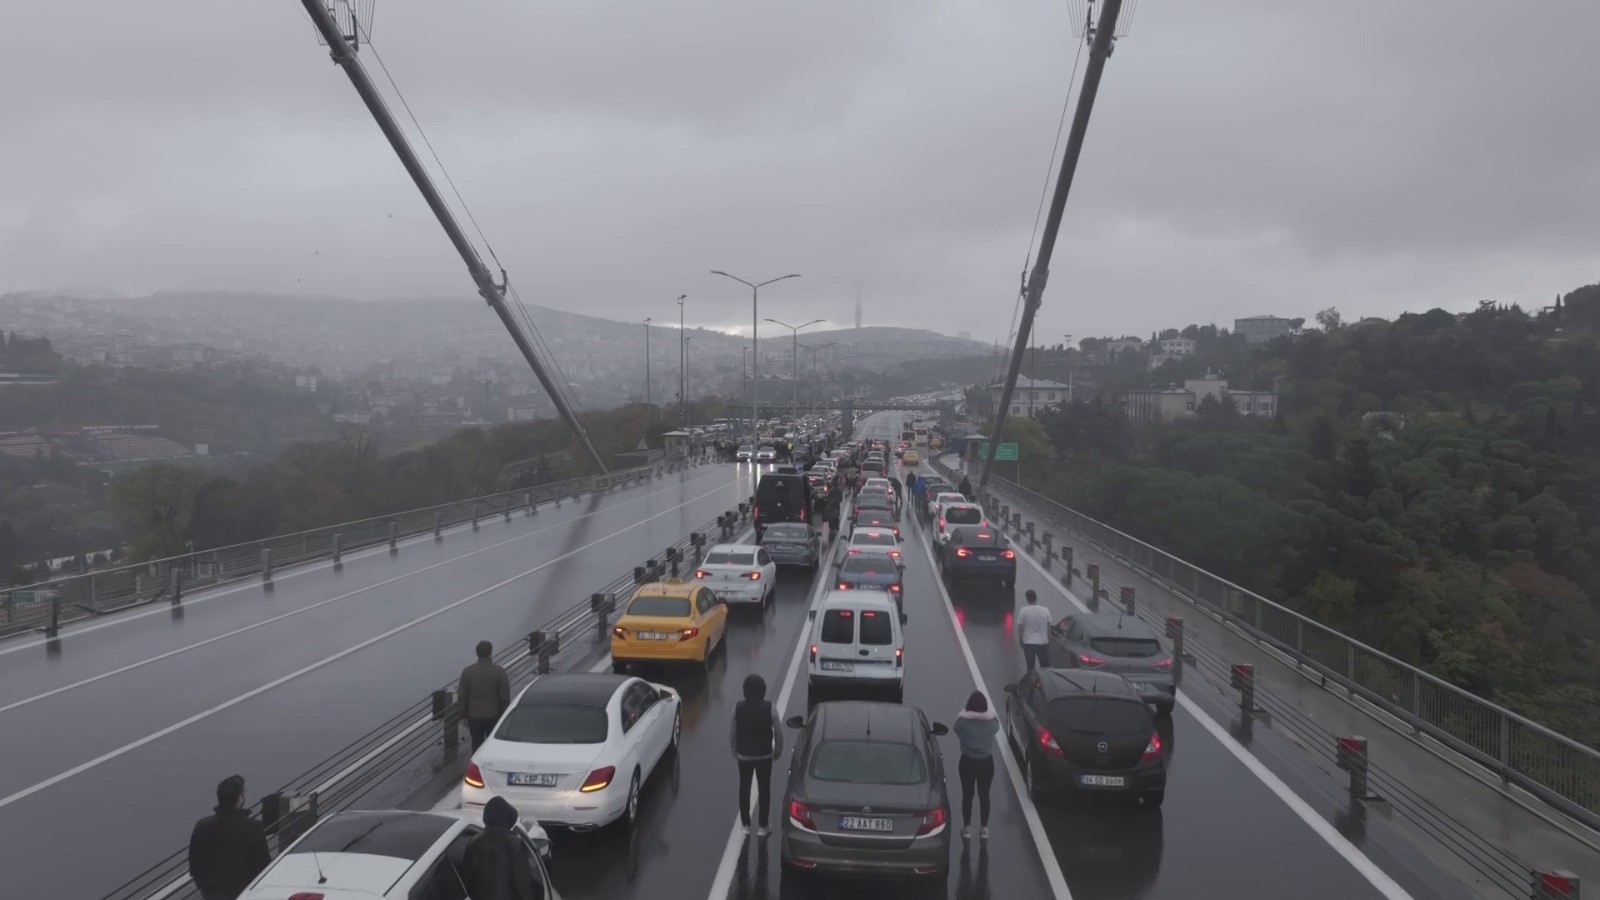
[(1244, 158)]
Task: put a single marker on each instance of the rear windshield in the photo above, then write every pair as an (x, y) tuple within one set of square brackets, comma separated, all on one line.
[(732, 558), (869, 564), (875, 628), (553, 723), (1126, 646), (979, 537), (1098, 715), (950, 497), (839, 626), (787, 532), (965, 515), (781, 489), (873, 465), (864, 762), (874, 538), (664, 607), (375, 834)]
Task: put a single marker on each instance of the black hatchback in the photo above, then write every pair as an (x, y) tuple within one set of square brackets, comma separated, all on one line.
[(1083, 731)]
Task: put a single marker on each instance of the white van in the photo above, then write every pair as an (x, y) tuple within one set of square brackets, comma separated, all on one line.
[(857, 641)]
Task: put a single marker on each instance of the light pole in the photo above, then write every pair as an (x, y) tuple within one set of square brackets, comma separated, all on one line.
[(649, 413), (755, 346), (1067, 357), (794, 357), (742, 389), (683, 356), (814, 366)]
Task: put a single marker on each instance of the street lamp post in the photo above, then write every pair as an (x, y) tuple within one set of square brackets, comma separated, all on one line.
[(743, 390), (755, 347), (814, 351), (1066, 357), (647, 409), (794, 357), (683, 356)]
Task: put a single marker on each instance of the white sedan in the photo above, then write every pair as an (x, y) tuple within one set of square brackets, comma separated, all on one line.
[(390, 853), (574, 750), (944, 498), (739, 573)]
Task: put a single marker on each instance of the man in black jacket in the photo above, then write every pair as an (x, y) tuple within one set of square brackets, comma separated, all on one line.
[(756, 738), (485, 693), (498, 864), (227, 849)]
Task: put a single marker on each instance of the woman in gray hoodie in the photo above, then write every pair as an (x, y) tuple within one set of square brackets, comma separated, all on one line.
[(976, 727)]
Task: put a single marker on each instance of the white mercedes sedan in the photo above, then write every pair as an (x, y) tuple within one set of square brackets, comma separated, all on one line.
[(573, 751)]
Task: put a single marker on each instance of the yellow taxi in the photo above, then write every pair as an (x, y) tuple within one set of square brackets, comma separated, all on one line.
[(911, 458), (669, 621)]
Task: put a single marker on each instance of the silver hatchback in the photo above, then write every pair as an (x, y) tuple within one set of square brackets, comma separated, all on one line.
[(1120, 644), (866, 793)]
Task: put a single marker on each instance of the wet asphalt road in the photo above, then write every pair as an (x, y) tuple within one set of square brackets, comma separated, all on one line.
[(125, 728)]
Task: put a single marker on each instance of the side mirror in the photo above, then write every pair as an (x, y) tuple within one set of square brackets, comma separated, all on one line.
[(811, 614), (1010, 688), (543, 846), (795, 721), (902, 618), (665, 694), (939, 729)]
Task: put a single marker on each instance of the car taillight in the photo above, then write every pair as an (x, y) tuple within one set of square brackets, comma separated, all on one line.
[(306, 895), (617, 632), (687, 633), (801, 814), (962, 551), (1164, 665), (598, 779), (701, 573), (894, 588), (1009, 554), (941, 524), (899, 657), (1090, 662), (983, 535), (1047, 743), (474, 776), (843, 586), (754, 576), (932, 821), (1152, 750), (813, 652), (897, 534)]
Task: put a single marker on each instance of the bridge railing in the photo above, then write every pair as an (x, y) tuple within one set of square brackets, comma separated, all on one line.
[(425, 736), (1557, 769), (47, 605)]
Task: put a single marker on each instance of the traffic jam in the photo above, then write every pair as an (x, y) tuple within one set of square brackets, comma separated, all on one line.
[(867, 777)]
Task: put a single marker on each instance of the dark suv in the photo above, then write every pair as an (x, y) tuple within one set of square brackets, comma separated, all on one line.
[(781, 497), (1082, 731)]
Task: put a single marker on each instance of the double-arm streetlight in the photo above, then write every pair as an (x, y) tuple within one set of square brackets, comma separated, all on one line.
[(648, 412), (794, 359), (683, 356), (755, 370), (814, 365)]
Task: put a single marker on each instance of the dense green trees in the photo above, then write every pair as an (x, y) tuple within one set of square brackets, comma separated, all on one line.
[(1461, 537)]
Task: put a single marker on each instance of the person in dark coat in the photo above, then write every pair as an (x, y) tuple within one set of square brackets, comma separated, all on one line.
[(965, 487), (498, 864), (756, 737), (485, 694), (228, 848)]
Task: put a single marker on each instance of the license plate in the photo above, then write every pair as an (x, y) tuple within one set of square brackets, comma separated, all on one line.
[(1100, 780), (986, 556), (652, 636), (529, 779), (831, 666), (862, 823)]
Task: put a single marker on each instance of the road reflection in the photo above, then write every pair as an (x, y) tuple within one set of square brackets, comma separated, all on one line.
[(1108, 849)]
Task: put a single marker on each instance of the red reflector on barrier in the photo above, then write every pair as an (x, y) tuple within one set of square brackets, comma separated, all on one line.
[(1558, 884)]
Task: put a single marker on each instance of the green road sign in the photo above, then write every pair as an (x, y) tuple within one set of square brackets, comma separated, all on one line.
[(1006, 453)]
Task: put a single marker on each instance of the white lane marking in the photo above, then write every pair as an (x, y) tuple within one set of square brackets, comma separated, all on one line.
[(295, 612), (1359, 861), (205, 595), (722, 884), (304, 670), (1030, 813)]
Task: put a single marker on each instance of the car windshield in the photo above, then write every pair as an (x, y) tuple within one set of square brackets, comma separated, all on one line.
[(553, 723), (868, 762), (1139, 648), (874, 538), (660, 607), (869, 564), (786, 533), (746, 448), (731, 557), (964, 515)]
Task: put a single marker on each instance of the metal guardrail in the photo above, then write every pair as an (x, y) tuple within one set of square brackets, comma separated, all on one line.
[(45, 606), (428, 731), (1559, 770)]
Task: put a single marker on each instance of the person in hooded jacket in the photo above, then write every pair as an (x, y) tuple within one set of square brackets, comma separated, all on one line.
[(497, 864), (227, 849), (976, 727), (965, 487), (756, 737)]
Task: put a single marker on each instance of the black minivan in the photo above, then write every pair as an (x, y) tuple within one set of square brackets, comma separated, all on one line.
[(782, 497)]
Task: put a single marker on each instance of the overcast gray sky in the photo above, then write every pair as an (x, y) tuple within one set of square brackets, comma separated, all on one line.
[(1245, 157)]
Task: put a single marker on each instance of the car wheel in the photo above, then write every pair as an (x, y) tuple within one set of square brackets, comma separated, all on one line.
[(677, 728), (1154, 799), (1030, 775), (630, 812)]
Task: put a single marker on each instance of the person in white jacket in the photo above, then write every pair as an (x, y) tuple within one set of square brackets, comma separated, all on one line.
[(975, 728)]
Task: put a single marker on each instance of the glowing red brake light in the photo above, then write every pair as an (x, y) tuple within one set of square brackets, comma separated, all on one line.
[(801, 814), (619, 633), (941, 524), (813, 652), (1090, 662), (306, 895), (1164, 665), (1152, 750), (1009, 554), (598, 779), (688, 633), (932, 821), (962, 551), (900, 657), (700, 573), (894, 588), (1047, 743), (474, 776), (844, 587), (983, 535), (755, 576)]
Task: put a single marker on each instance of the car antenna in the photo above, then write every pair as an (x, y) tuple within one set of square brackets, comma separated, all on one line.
[(321, 878)]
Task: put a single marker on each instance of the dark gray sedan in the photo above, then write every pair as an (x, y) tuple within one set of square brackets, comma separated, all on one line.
[(866, 793), (1121, 644), (792, 544), (873, 571)]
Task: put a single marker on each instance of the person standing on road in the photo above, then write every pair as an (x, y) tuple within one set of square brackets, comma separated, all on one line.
[(1033, 632), (965, 487), (496, 864), (756, 737), (228, 848), (485, 694), (976, 727)]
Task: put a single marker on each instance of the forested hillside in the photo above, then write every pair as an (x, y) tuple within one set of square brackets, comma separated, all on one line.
[(1461, 534)]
